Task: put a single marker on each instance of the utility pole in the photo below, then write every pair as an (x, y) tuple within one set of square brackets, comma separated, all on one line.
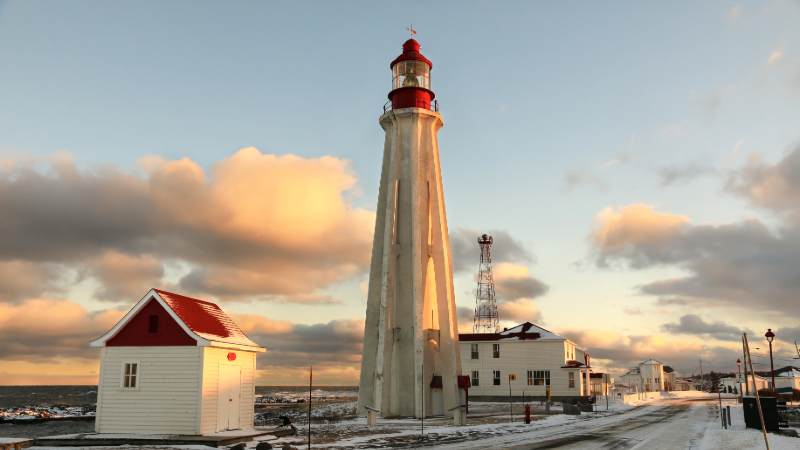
[(746, 381), (755, 389), (702, 381)]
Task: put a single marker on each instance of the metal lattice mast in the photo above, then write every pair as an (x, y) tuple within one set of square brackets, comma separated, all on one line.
[(486, 318)]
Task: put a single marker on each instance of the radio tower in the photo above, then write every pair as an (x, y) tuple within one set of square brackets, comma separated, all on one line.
[(486, 319)]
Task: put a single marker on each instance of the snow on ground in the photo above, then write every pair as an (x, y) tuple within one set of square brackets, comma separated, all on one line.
[(686, 420), (737, 437)]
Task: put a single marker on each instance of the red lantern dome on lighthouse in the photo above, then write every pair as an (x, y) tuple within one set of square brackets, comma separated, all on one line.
[(411, 79)]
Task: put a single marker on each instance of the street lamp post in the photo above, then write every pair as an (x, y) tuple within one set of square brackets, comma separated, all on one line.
[(770, 336), (739, 365)]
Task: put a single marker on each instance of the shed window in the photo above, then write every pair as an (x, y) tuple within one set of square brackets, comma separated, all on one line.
[(130, 375), (496, 377), (475, 353), (153, 324), (572, 379), (495, 350), (475, 378)]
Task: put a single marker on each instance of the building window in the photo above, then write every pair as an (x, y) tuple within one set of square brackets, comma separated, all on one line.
[(648, 381), (496, 377), (495, 350), (475, 353), (153, 324), (541, 378), (475, 378), (130, 375), (572, 379), (530, 378), (658, 381)]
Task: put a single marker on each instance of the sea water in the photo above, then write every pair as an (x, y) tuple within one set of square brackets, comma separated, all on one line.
[(17, 396)]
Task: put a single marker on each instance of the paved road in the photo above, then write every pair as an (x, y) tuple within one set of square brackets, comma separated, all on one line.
[(674, 423)]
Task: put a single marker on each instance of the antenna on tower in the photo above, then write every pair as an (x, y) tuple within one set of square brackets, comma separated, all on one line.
[(486, 318), (412, 30)]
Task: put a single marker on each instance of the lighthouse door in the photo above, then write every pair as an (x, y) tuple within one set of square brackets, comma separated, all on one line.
[(229, 396)]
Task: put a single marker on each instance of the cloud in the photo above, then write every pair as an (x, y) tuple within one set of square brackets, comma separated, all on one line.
[(742, 264), (684, 173), (123, 276), (465, 318), (775, 56), (518, 311), (513, 281), (734, 153), (694, 325), (49, 338), (614, 352), (711, 102), (257, 226), (333, 349), (466, 252), (632, 311), (673, 130), (734, 15), (622, 157), (576, 176), (21, 280), (635, 233), (44, 330), (767, 185)]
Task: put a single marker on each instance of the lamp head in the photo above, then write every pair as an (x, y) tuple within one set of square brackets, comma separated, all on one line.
[(738, 362), (770, 335)]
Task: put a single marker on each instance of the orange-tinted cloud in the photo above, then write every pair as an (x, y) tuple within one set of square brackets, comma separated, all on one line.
[(257, 226), (42, 330), (634, 225)]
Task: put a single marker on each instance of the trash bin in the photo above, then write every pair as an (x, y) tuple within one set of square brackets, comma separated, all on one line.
[(769, 407)]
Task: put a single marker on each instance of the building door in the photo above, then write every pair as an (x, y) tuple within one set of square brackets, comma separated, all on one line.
[(229, 397), (437, 402)]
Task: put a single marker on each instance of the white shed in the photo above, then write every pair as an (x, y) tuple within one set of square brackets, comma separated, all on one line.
[(175, 365)]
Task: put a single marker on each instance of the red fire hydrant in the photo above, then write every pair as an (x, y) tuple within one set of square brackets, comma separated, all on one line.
[(527, 413)]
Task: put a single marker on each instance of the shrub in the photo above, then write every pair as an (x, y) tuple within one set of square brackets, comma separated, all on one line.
[(766, 393)]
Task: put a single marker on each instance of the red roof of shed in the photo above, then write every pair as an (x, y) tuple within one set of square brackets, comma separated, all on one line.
[(204, 319)]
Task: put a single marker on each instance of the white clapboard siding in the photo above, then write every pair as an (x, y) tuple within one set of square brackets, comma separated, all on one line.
[(167, 399), (518, 357), (213, 357)]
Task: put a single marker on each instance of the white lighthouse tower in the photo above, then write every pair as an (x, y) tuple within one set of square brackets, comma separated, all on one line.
[(411, 354)]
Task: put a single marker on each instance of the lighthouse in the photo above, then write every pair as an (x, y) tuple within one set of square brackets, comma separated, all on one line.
[(410, 364)]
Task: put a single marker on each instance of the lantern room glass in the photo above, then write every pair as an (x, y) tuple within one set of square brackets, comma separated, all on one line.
[(411, 74)]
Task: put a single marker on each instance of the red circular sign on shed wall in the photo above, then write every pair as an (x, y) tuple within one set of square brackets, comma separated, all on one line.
[(231, 356)]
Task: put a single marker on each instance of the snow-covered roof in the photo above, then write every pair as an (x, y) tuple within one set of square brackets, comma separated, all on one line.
[(202, 320), (652, 361), (794, 373), (524, 332)]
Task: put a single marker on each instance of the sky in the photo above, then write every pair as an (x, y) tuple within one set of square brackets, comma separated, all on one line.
[(637, 164)]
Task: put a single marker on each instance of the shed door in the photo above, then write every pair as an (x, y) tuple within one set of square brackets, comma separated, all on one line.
[(229, 397)]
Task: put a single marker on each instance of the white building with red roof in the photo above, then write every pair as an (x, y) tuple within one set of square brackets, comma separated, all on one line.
[(526, 360), (175, 365)]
